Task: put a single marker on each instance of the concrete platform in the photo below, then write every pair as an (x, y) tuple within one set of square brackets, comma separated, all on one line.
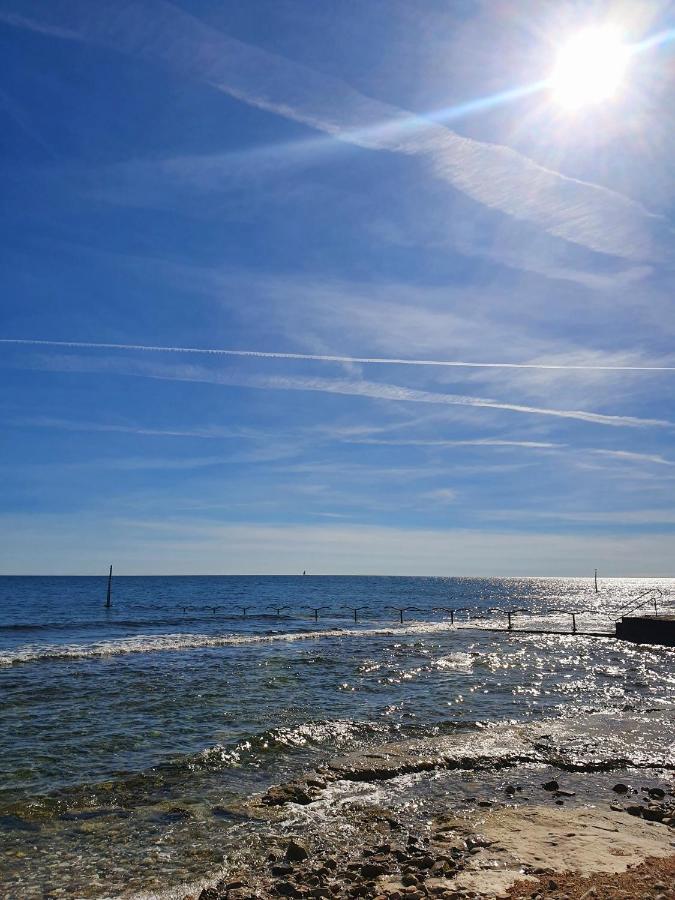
[(647, 630)]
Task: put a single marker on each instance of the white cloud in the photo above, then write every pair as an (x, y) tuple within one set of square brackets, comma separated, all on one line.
[(496, 176), (368, 389)]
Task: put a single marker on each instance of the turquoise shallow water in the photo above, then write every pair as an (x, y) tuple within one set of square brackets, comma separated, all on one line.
[(128, 736)]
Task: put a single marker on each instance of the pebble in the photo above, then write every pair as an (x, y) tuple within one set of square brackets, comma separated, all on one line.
[(296, 852)]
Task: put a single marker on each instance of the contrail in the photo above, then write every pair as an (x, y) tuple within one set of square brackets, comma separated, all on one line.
[(315, 357)]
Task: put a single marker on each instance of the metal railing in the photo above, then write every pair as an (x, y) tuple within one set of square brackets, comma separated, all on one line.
[(652, 595)]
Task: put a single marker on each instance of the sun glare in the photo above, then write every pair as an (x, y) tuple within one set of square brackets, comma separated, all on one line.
[(590, 68)]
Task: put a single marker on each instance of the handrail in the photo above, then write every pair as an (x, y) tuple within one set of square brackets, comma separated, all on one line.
[(650, 594), (401, 609)]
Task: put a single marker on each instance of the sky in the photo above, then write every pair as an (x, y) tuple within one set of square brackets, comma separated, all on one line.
[(250, 248)]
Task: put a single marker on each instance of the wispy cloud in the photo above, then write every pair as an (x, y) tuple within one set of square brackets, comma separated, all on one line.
[(469, 442), (212, 432), (629, 456), (373, 360), (493, 175), (441, 495), (367, 389)]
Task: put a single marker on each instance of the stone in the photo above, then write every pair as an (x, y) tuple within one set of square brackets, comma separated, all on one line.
[(373, 870), (620, 788), (209, 894), (652, 814), (551, 785), (296, 852), (286, 889), (656, 793), (634, 810), (281, 869)]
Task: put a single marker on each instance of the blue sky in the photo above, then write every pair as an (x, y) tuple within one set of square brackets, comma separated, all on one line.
[(342, 179)]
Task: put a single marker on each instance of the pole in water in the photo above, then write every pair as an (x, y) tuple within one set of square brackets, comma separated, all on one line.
[(596, 582), (574, 624), (108, 599)]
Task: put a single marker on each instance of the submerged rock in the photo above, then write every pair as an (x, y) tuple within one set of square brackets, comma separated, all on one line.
[(296, 852)]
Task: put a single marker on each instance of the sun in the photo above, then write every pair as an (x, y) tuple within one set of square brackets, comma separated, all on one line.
[(590, 68)]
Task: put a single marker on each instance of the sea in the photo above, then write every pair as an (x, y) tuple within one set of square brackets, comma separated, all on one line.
[(133, 738)]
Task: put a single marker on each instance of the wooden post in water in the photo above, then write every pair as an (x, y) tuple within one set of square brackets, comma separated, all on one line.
[(596, 582), (108, 599)]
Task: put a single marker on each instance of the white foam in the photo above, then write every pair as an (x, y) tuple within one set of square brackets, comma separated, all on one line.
[(156, 643)]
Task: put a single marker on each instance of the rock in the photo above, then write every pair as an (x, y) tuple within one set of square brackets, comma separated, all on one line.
[(485, 803), (510, 790), (296, 852), (551, 785), (634, 810), (373, 870), (295, 792), (656, 793), (281, 869), (652, 814), (176, 814), (561, 793), (286, 889), (409, 881), (209, 894), (620, 788)]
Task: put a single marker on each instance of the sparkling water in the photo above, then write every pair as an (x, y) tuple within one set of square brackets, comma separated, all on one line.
[(129, 737)]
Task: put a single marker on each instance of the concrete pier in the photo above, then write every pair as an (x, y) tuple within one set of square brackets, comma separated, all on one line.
[(647, 630)]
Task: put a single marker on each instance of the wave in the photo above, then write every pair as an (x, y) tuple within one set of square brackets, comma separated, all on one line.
[(179, 642)]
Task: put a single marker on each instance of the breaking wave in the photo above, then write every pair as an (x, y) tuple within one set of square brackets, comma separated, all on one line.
[(177, 642)]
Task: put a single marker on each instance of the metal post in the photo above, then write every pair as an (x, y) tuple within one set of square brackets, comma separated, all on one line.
[(574, 624), (510, 626), (108, 600), (452, 617)]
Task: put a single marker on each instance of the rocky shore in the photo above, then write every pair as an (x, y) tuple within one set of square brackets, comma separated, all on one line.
[(539, 849)]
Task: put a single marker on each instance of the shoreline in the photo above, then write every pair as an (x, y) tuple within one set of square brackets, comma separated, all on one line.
[(623, 846), (540, 824)]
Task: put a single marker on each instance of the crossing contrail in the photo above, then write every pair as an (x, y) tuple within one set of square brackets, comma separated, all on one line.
[(316, 357)]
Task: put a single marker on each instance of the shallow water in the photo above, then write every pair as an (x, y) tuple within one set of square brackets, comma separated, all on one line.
[(128, 737)]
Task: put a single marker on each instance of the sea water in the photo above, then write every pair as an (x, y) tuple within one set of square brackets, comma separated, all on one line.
[(130, 736)]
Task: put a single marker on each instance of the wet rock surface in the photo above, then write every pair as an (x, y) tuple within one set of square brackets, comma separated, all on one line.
[(455, 856)]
